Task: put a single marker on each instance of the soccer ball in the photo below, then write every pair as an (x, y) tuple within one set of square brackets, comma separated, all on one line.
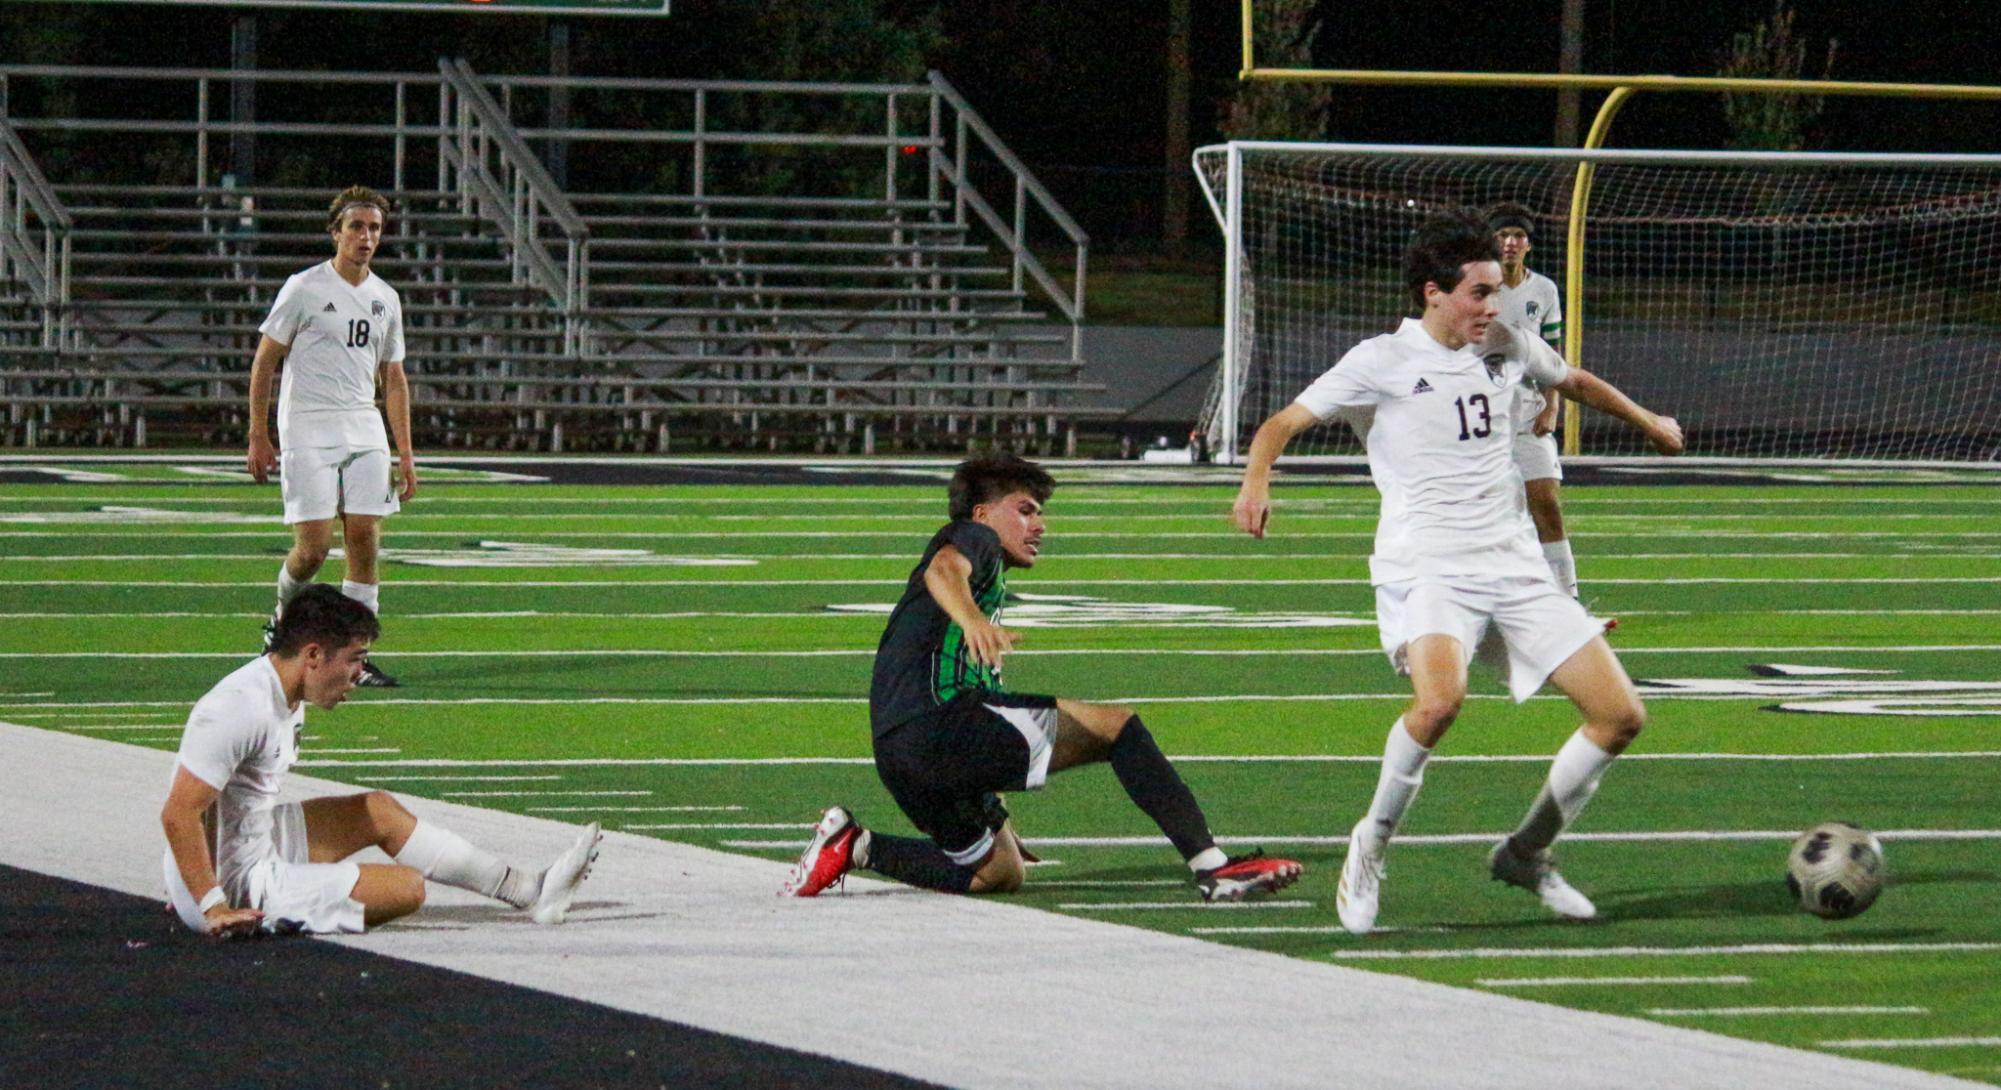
[(1835, 870)]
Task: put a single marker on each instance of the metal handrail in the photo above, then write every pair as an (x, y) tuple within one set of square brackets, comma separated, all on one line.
[(518, 199), (1027, 187), (45, 261)]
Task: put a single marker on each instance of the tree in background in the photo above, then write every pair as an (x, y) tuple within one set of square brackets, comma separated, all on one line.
[(1769, 50), (1282, 37)]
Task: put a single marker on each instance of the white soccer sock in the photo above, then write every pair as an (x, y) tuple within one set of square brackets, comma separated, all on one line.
[(1207, 859), (365, 593), (1562, 564), (444, 856), (1402, 774), (288, 589), (1573, 779)]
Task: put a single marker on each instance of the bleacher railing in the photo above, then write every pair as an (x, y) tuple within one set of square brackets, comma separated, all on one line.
[(34, 235), (485, 161)]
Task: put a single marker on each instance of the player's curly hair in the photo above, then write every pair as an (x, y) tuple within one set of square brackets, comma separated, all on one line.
[(351, 196), (321, 614), (1443, 244), (985, 478)]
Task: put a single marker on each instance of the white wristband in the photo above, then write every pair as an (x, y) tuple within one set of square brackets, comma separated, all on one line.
[(215, 897)]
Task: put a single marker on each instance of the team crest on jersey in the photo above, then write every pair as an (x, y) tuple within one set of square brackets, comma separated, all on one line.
[(375, 308), (1497, 369), (1531, 309)]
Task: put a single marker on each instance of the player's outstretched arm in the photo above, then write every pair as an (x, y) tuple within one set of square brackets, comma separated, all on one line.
[(1252, 511), (263, 456), (396, 399), (1661, 431), (180, 818), (949, 579)]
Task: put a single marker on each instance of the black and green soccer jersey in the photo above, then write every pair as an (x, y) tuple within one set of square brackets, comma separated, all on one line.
[(923, 662)]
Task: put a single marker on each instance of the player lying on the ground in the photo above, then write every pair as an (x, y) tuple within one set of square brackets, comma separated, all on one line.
[(947, 736), (279, 866), (1455, 557)]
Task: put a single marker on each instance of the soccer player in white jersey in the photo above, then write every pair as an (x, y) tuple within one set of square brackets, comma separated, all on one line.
[(336, 328), (238, 860), (1529, 301), (1455, 555)]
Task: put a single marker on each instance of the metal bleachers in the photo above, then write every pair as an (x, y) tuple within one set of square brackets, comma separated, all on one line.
[(652, 308)]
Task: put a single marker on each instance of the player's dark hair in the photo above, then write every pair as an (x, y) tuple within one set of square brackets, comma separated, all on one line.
[(321, 614), (1443, 244), (985, 478), (1510, 214), (353, 195)]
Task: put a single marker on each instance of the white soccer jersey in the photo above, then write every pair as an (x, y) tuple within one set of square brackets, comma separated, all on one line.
[(1440, 452), (241, 739), (1533, 305), (339, 336)]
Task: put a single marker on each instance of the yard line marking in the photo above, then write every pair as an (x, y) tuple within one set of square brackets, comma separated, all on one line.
[(741, 825), (535, 794), (263, 584), (850, 652), (446, 777), (1914, 1042), (681, 560), (1327, 929), (822, 614), (1609, 981), (1447, 839), (1203, 906), (1097, 883), (1759, 1012), (1776, 948), (386, 749), (624, 809), (83, 727)]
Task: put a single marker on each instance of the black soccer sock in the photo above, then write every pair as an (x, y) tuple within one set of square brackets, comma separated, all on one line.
[(917, 862), (1147, 776)]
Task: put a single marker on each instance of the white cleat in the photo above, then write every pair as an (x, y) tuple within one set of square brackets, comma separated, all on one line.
[(1537, 874), (560, 881), (1361, 883)]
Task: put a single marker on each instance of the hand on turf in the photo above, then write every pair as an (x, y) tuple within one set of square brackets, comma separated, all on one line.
[(989, 642), (1252, 510), (1665, 435), (263, 457), (406, 468), (225, 922)]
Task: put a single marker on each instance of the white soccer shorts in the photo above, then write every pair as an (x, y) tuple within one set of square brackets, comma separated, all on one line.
[(1536, 456), (1539, 625), (293, 893), (321, 482)]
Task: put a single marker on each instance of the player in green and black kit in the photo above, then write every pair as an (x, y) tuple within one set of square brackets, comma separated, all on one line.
[(948, 737)]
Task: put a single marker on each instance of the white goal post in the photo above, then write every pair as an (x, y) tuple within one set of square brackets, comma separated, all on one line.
[(1781, 305)]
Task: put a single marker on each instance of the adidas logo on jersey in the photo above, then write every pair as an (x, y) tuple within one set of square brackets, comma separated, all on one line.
[(329, 309), (1422, 387)]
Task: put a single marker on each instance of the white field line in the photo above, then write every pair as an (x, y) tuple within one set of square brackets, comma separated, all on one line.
[(541, 794), (262, 584), (1529, 758), (679, 560), (628, 809), (90, 530), (447, 777), (1220, 512), (1760, 1012), (1196, 906), (1914, 1042), (315, 750), (1746, 949), (1104, 883), (1604, 981), (1447, 839), (691, 826), (1151, 652), (1079, 495), (1325, 929), (826, 614)]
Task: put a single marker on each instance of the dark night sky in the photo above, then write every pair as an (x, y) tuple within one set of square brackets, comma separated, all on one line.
[(1079, 89)]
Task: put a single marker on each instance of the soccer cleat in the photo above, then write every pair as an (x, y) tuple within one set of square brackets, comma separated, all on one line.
[(1242, 875), (1611, 623), (560, 881), (828, 856), (1361, 883), (372, 677), (1537, 874)]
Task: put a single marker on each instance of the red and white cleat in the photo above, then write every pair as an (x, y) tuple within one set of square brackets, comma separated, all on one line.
[(827, 858), (1243, 875)]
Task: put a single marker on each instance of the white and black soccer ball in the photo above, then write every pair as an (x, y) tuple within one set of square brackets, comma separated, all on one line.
[(1835, 870)]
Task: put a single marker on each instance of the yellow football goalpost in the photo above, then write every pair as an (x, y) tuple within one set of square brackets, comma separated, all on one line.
[(1622, 89)]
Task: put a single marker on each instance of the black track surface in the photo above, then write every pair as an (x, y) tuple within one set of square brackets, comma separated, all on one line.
[(99, 989)]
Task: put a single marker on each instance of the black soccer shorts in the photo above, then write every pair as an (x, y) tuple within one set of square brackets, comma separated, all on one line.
[(943, 767)]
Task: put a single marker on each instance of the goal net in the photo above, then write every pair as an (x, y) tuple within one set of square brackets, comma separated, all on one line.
[(1780, 305)]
